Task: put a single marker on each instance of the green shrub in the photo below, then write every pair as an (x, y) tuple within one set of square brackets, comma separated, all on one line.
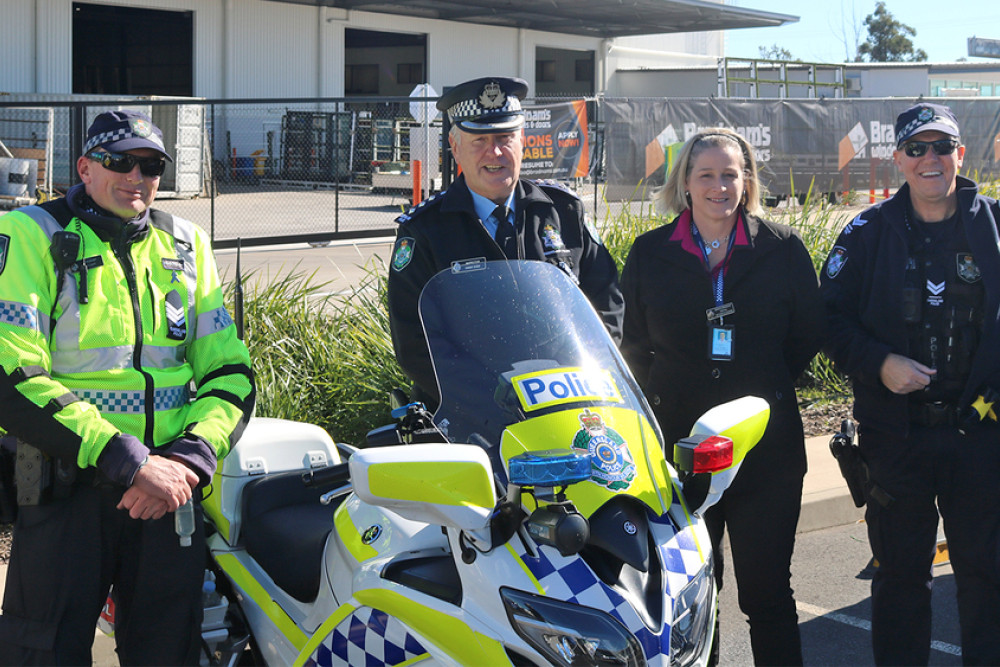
[(319, 358)]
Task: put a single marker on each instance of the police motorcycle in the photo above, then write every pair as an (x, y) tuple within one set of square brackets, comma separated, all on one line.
[(531, 520)]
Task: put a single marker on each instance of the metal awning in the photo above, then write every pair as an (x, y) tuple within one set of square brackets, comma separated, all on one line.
[(592, 18)]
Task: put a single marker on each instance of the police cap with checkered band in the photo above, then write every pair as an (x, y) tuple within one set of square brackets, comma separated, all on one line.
[(924, 117), (487, 105), (124, 130)]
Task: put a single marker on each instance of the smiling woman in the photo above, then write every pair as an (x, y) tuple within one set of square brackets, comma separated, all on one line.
[(740, 315)]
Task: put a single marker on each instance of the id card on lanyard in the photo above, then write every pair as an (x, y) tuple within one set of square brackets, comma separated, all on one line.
[(721, 337)]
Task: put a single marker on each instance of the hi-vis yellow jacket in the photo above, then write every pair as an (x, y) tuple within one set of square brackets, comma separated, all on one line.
[(150, 351)]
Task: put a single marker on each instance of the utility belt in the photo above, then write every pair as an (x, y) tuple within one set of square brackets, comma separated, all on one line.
[(938, 413)]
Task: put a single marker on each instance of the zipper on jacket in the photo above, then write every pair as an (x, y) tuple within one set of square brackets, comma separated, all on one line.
[(121, 249)]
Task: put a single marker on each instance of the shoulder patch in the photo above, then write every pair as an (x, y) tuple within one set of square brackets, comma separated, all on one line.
[(417, 210), (549, 183), (402, 253), (835, 262), (4, 246)]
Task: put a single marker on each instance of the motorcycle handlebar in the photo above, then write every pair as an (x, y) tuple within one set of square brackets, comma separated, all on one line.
[(328, 476)]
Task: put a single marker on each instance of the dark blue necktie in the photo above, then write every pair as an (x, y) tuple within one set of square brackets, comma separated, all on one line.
[(506, 237)]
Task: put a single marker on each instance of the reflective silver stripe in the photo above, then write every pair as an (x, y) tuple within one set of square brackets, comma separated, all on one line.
[(134, 402), (115, 358), (67, 337), (213, 321), (20, 315), (185, 236), (43, 219)]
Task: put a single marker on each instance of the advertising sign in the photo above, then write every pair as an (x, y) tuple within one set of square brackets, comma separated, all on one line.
[(555, 141)]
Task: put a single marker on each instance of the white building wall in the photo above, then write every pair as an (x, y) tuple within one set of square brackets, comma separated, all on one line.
[(252, 48)]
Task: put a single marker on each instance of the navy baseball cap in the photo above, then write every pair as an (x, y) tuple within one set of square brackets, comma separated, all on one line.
[(124, 130), (923, 118), (483, 106)]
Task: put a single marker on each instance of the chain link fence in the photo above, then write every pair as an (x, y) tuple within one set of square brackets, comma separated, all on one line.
[(251, 171)]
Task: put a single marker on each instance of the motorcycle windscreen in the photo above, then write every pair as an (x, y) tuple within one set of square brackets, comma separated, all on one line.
[(514, 340)]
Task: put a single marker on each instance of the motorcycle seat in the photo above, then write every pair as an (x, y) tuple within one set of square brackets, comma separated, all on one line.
[(285, 529)]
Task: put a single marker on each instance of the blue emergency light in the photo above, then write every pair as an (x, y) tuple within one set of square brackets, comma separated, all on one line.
[(552, 467)]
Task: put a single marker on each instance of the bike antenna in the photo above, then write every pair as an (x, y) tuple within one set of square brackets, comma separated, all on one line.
[(238, 293)]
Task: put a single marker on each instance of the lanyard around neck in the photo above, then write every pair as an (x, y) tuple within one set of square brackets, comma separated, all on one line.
[(719, 270)]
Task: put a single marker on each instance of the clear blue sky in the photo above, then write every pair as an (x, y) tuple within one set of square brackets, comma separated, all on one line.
[(942, 27)]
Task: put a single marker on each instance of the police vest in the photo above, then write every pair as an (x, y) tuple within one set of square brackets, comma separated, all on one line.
[(131, 329), (942, 305)]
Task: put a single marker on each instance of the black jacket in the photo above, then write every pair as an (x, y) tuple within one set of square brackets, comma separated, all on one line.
[(551, 226), (862, 286), (778, 324)]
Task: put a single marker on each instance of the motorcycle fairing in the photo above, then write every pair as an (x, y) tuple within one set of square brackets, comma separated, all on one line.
[(625, 452), (569, 579), (365, 636)]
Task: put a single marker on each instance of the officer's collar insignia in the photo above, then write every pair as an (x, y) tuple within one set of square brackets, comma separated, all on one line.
[(838, 257), (965, 264), (492, 96), (176, 321), (4, 247), (402, 254)]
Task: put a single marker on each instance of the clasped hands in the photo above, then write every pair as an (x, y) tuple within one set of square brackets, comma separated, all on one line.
[(161, 485)]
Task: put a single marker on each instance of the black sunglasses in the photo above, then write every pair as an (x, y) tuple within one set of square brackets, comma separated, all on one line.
[(941, 147), (123, 163)]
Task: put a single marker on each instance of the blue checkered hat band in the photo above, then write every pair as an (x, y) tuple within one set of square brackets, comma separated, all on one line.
[(118, 135), (473, 109)]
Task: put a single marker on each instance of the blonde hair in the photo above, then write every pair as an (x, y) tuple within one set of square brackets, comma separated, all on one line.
[(673, 198)]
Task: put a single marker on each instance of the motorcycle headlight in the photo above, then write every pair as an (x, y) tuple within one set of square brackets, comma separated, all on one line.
[(569, 634), (693, 610)]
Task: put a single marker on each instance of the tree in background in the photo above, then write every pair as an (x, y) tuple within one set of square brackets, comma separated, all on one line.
[(775, 52), (888, 39)]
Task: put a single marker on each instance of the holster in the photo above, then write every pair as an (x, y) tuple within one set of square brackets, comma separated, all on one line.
[(852, 466), (39, 478)]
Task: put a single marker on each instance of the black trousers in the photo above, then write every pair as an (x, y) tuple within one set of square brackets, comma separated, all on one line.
[(761, 520), (64, 558), (934, 469)]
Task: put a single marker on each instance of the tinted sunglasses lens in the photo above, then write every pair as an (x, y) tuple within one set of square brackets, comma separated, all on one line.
[(941, 147), (152, 166), (123, 163)]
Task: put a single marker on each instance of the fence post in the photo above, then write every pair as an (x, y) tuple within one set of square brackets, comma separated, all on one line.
[(417, 182)]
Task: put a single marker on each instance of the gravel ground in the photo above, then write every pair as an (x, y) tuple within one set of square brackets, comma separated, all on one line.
[(817, 419)]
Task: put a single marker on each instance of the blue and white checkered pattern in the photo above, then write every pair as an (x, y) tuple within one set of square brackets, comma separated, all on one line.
[(117, 135), (213, 321), (18, 314), (133, 402), (368, 637), (574, 582), (474, 109)]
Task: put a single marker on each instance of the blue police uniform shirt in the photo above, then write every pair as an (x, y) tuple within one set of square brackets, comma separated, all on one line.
[(485, 208)]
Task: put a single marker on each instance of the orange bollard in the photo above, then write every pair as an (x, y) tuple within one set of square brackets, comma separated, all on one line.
[(417, 181), (871, 196)]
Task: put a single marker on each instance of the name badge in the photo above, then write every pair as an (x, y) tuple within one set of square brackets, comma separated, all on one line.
[(721, 340), (719, 312)]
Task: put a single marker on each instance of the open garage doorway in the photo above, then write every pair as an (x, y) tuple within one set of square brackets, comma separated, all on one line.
[(130, 51)]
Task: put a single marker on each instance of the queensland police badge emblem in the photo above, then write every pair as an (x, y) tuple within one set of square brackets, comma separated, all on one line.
[(965, 266), (141, 127), (551, 239), (611, 463), (838, 257), (492, 96), (403, 253)]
